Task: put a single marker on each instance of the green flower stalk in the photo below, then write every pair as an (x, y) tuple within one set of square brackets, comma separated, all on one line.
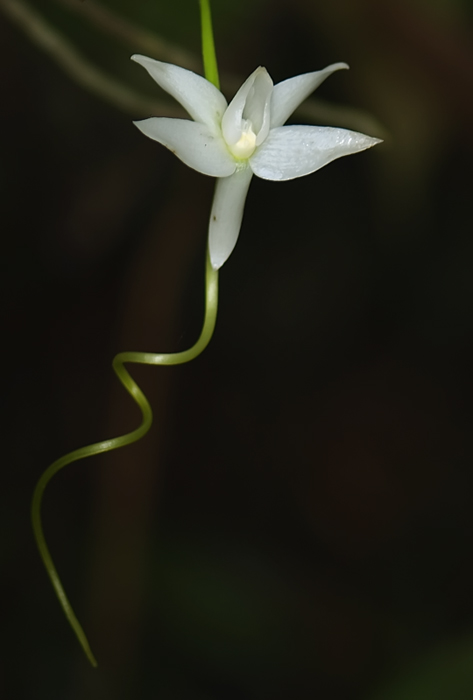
[(231, 142), (119, 361)]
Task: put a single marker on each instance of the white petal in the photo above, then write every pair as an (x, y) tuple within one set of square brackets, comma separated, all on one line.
[(258, 102), (226, 215), (195, 144), (288, 95), (250, 102), (293, 151), (200, 98)]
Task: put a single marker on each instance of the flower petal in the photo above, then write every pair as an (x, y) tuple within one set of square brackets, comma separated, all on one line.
[(258, 102), (226, 215), (200, 98), (293, 151), (195, 144), (288, 95), (252, 101)]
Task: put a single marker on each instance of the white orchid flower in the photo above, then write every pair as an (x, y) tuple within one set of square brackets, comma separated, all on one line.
[(235, 141)]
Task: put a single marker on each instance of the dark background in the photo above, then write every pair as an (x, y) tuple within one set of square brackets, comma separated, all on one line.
[(298, 522)]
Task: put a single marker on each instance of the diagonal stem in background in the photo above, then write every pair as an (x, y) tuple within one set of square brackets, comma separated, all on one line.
[(79, 68), (132, 35), (108, 88)]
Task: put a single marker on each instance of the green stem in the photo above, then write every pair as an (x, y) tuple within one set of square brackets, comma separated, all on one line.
[(146, 358), (211, 304), (208, 45)]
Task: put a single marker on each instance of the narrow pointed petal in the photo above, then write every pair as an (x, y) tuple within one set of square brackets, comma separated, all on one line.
[(227, 214), (294, 151), (200, 98), (193, 143), (288, 95)]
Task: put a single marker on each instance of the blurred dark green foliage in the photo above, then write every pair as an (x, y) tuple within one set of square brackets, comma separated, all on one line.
[(299, 522)]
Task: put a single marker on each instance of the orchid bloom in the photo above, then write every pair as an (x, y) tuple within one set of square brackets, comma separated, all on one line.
[(235, 141)]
